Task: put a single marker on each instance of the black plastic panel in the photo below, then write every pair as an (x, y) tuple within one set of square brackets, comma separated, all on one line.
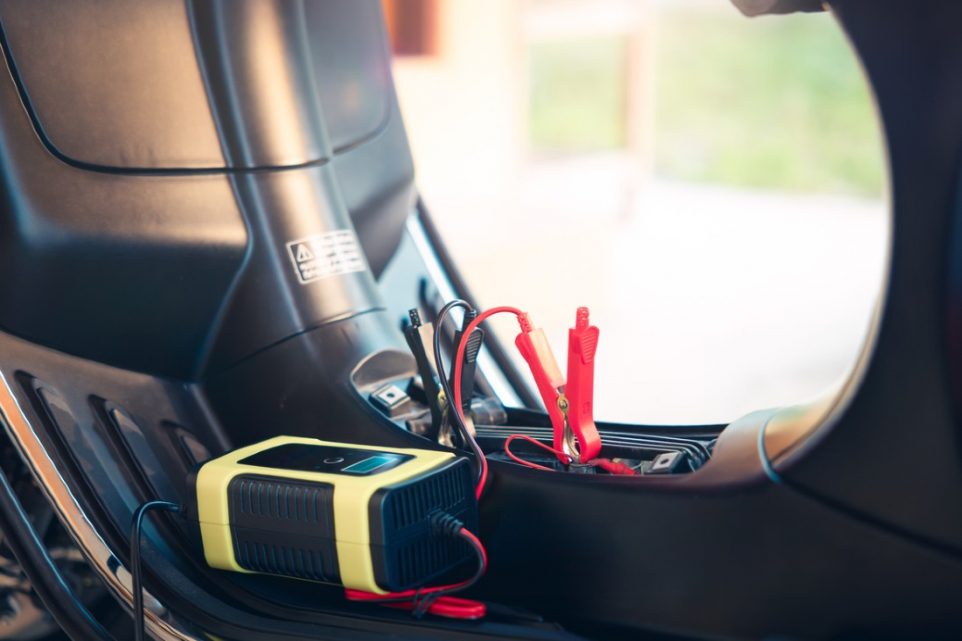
[(122, 241), (301, 387), (109, 265), (140, 456), (269, 302), (139, 99), (351, 68), (135, 99), (253, 55)]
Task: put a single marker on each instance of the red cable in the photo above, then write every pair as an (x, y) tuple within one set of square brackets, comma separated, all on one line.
[(517, 459), (451, 607), (606, 464), (445, 606), (459, 357)]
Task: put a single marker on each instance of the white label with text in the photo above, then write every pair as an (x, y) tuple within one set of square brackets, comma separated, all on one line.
[(322, 255)]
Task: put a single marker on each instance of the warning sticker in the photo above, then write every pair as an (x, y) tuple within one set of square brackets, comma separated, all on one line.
[(322, 255)]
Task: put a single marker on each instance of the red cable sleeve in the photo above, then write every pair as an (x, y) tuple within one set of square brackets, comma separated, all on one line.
[(612, 467)]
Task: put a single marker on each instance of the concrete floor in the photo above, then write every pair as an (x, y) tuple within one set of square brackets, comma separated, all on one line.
[(712, 302)]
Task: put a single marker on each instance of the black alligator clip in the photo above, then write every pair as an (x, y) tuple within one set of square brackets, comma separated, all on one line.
[(469, 368), (420, 338)]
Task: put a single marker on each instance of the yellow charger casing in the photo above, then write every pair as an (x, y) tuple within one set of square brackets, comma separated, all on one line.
[(356, 515)]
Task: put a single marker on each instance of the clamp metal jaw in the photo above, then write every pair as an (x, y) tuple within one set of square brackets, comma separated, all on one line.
[(569, 403)]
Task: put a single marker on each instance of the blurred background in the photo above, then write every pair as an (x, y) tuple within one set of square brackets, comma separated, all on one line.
[(711, 186)]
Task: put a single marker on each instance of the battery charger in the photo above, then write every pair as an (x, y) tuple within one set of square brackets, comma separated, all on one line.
[(360, 516)]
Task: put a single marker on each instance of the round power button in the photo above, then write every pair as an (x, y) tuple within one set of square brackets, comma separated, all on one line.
[(334, 460)]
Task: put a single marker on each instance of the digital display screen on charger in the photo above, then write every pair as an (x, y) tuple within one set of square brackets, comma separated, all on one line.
[(370, 464)]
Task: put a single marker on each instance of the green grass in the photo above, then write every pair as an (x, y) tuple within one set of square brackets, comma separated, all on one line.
[(774, 102), (577, 99)]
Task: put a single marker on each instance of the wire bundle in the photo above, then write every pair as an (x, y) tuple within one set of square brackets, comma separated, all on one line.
[(455, 395)]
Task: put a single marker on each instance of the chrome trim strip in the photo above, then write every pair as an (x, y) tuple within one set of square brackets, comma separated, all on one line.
[(81, 530), (489, 368)]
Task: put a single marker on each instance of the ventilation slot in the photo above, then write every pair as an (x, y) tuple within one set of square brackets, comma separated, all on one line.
[(442, 491), (427, 557)]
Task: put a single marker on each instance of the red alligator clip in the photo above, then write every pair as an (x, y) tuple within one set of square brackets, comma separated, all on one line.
[(569, 405)]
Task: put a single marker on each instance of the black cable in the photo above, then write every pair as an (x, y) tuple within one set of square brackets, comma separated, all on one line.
[(451, 526), (438, 356), (414, 334), (446, 384), (424, 604), (496, 349), (136, 527)]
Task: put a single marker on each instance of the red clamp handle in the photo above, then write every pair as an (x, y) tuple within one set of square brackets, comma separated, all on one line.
[(582, 345), (534, 347), (569, 405)]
